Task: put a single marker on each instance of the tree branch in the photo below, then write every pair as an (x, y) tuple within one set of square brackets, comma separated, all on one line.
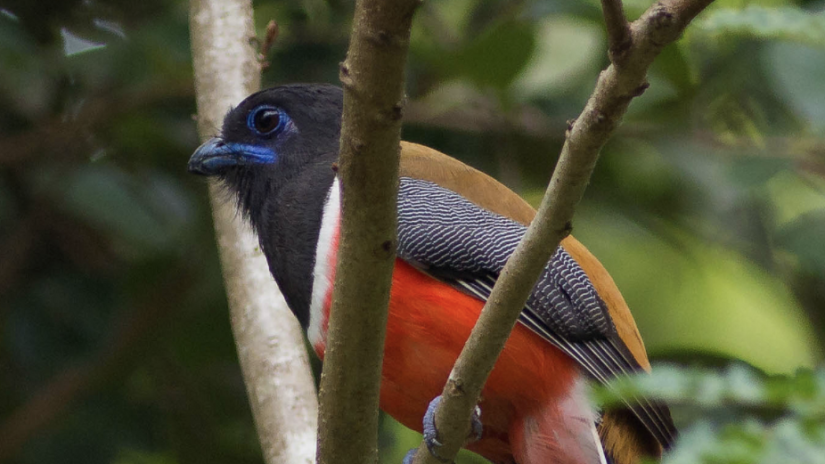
[(618, 30), (623, 80), (373, 79), (270, 346)]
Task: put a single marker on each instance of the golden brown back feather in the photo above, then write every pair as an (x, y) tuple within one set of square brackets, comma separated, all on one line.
[(623, 437)]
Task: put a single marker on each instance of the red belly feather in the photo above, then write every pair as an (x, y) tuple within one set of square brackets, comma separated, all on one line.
[(426, 330)]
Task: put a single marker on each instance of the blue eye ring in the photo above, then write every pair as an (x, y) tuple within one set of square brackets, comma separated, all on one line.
[(266, 120)]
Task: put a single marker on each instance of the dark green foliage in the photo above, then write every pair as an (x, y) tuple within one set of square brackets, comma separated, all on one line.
[(737, 414)]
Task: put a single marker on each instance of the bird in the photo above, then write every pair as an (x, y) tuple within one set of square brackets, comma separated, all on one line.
[(276, 155)]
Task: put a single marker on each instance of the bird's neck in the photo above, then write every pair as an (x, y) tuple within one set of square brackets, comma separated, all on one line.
[(286, 213)]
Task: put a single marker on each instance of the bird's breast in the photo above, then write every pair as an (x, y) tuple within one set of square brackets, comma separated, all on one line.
[(428, 324), (323, 274)]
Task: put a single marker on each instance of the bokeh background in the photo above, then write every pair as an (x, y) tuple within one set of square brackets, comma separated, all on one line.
[(708, 205)]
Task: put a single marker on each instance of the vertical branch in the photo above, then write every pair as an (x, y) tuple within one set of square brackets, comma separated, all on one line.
[(618, 30), (373, 79), (270, 346), (622, 81)]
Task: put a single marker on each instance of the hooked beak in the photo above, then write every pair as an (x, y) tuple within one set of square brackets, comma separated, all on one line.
[(216, 156), (212, 158)]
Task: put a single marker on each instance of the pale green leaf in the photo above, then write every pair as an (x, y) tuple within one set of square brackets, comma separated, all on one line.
[(782, 23)]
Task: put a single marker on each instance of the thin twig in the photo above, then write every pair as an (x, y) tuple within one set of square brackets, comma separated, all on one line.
[(271, 36), (660, 25), (618, 29)]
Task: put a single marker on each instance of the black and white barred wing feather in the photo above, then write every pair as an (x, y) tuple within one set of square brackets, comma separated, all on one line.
[(456, 241)]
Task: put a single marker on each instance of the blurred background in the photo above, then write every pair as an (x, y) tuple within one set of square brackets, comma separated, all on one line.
[(708, 205)]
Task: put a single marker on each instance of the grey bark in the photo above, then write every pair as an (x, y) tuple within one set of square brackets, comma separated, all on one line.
[(270, 346)]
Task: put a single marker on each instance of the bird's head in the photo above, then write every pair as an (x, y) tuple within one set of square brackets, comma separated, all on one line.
[(274, 132)]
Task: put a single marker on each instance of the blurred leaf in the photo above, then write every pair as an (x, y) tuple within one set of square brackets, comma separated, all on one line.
[(496, 57), (687, 294), (454, 15), (736, 386), (747, 418), (567, 50), (782, 23), (44, 332), (146, 216), (673, 65), (794, 195), (798, 72), (805, 238), (25, 74), (755, 171)]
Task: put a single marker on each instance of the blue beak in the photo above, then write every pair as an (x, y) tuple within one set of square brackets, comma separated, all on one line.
[(215, 156), (212, 158)]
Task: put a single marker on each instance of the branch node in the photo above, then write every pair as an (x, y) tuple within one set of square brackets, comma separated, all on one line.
[(455, 387), (357, 145), (641, 89), (618, 51), (570, 124), (599, 117), (397, 112), (618, 30), (568, 229), (345, 77), (662, 16), (663, 27), (385, 250), (381, 38)]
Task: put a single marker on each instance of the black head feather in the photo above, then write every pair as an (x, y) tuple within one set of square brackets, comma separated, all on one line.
[(275, 153)]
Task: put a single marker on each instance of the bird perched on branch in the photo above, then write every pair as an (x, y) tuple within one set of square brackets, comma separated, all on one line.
[(456, 229)]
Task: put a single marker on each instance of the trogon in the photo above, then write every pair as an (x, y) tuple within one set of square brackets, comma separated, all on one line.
[(456, 229)]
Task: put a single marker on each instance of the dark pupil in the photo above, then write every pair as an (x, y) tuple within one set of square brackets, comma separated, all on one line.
[(267, 120)]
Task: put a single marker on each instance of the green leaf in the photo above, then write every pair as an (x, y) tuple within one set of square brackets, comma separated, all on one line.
[(673, 65), (568, 52), (798, 72), (754, 171), (497, 56), (783, 23), (142, 216), (746, 416), (804, 238)]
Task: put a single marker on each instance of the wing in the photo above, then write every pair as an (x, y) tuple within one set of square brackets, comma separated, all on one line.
[(456, 240)]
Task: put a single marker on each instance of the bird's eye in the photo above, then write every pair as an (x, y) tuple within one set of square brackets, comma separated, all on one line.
[(265, 120)]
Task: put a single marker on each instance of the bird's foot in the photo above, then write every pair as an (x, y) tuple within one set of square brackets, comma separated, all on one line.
[(431, 433)]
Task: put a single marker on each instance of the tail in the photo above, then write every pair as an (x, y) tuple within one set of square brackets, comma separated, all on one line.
[(561, 432)]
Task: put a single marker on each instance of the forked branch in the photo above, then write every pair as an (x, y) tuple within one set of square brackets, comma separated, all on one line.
[(617, 85)]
